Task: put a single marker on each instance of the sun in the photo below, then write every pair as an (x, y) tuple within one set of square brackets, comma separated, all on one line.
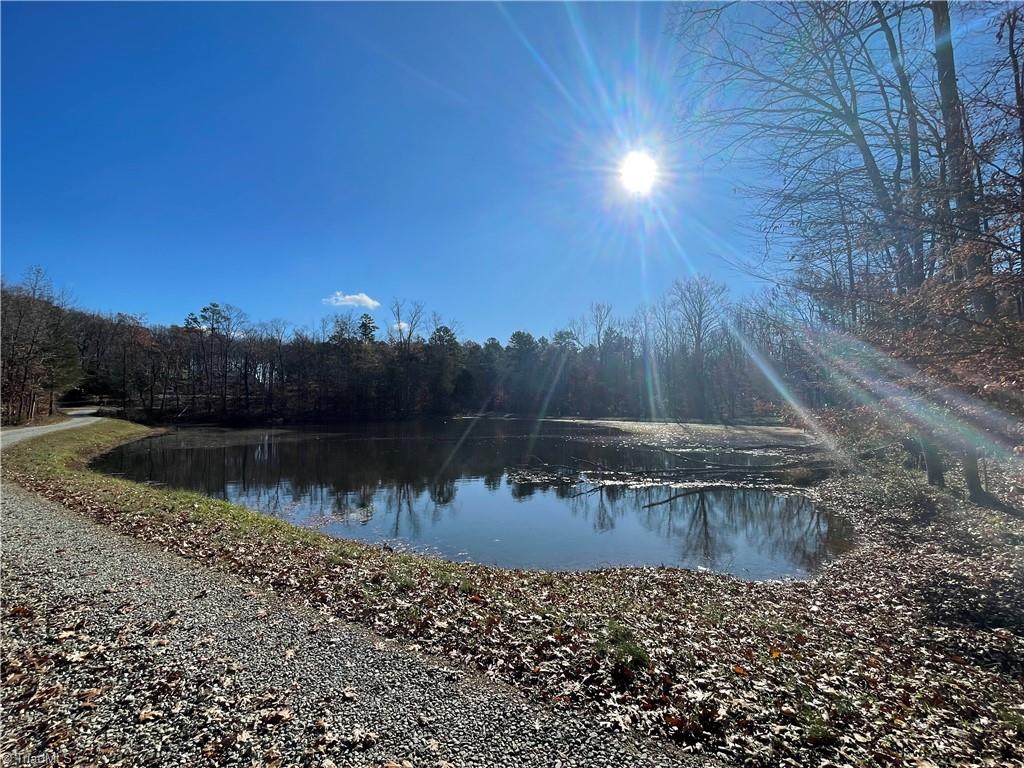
[(638, 173)]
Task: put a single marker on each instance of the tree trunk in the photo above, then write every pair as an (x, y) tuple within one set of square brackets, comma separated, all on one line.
[(245, 380), (915, 272), (932, 462), (1018, 92), (848, 242), (975, 491), (966, 219)]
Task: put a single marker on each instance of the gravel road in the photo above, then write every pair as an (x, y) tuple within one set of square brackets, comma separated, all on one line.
[(79, 418), (116, 653)]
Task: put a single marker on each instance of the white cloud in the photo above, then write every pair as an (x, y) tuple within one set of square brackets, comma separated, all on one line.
[(400, 326), (339, 299)]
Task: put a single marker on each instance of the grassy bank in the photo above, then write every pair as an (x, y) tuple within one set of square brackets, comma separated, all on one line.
[(905, 651)]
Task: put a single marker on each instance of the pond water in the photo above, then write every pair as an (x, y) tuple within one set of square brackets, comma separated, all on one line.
[(444, 488)]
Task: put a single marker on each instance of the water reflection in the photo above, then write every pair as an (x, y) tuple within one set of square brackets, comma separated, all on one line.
[(422, 484)]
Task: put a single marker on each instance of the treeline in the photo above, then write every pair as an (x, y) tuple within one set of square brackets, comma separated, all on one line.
[(685, 357)]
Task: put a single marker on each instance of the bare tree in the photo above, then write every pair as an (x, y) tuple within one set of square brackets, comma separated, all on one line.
[(406, 321), (600, 319), (698, 301)]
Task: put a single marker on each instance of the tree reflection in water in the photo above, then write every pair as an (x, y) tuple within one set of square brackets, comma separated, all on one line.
[(426, 484)]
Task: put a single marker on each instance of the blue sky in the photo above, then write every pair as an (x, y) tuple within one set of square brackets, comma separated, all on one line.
[(160, 156)]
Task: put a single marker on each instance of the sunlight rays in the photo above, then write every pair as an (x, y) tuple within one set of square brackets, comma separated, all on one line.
[(596, 81), (548, 394), (775, 379), (766, 368), (873, 379), (538, 58)]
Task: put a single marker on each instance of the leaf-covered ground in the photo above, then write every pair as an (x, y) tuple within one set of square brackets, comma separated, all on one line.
[(907, 651)]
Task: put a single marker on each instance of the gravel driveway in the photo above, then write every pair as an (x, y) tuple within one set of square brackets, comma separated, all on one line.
[(116, 653)]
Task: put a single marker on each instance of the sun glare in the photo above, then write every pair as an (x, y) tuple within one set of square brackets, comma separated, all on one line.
[(638, 173)]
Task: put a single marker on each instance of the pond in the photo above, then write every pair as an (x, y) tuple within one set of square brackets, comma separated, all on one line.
[(445, 488)]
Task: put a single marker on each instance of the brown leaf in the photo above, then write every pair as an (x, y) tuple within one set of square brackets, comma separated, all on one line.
[(275, 716), (673, 721)]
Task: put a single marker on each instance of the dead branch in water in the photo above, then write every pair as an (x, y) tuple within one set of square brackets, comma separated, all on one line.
[(683, 494)]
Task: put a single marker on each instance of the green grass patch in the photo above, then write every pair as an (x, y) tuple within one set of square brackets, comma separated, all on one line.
[(404, 582), (621, 645), (817, 729), (1013, 721)]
